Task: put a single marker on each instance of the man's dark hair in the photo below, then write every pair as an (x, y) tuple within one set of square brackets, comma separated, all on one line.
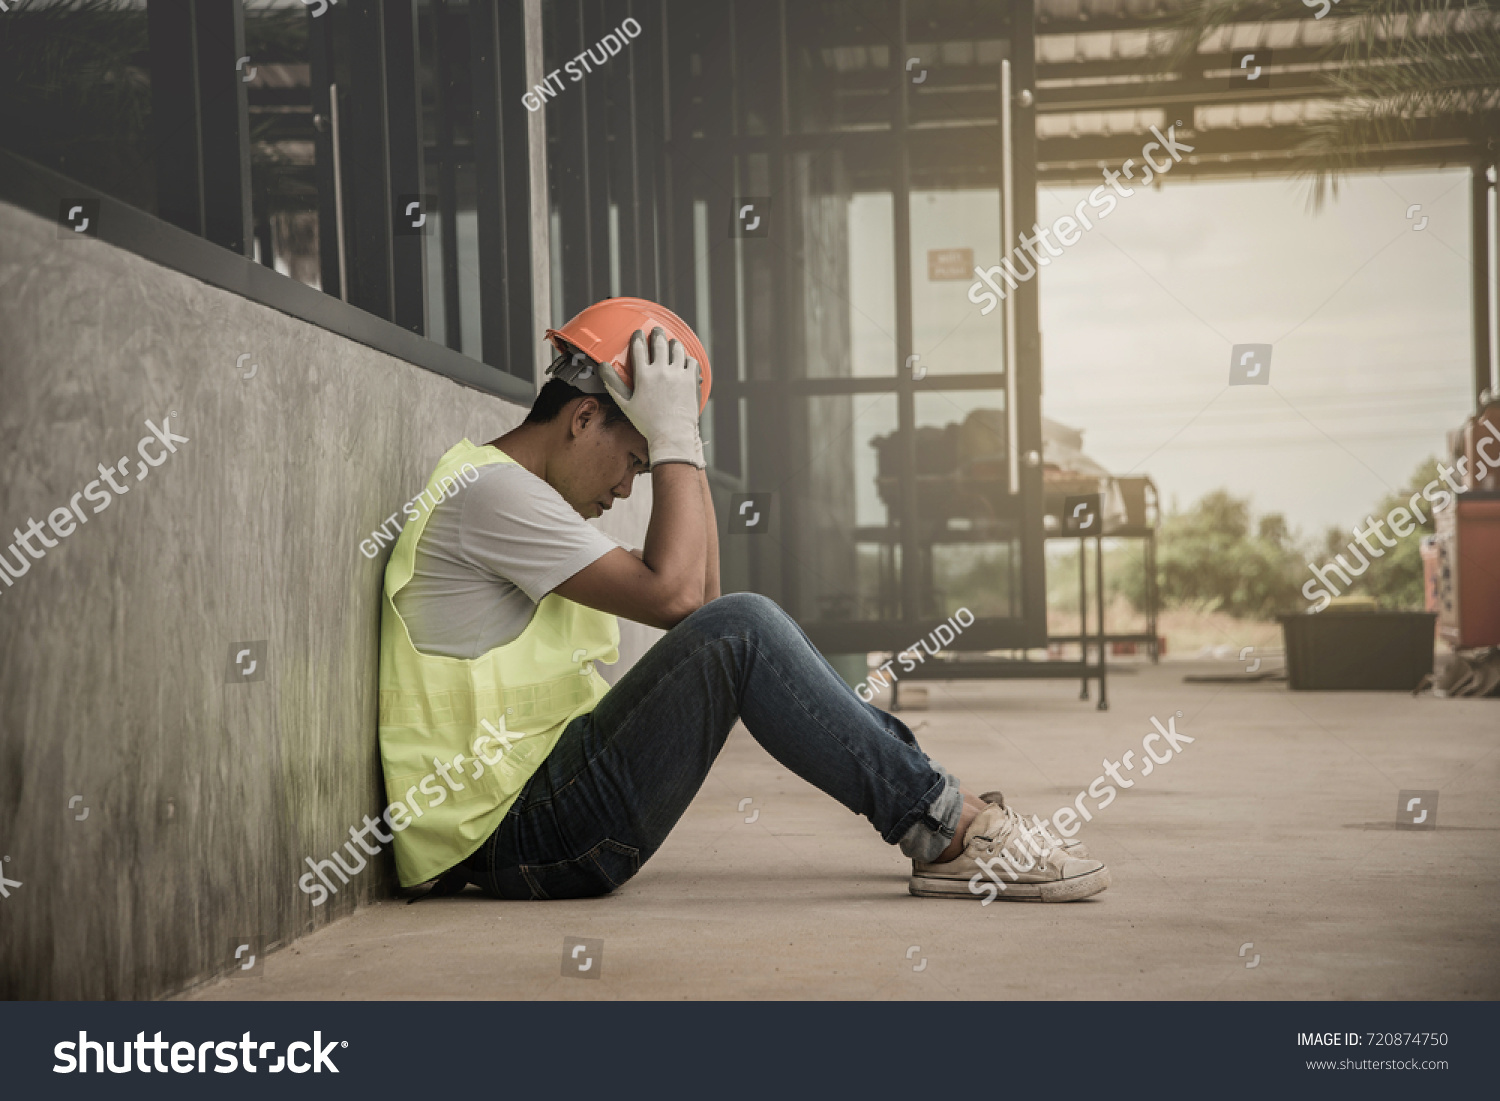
[(557, 393)]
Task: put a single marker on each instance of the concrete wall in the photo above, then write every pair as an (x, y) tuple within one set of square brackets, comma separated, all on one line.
[(197, 799)]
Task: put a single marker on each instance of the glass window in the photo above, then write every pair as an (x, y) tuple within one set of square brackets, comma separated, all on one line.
[(845, 241), (283, 139), (844, 77), (76, 88), (952, 232), (968, 524), (445, 77), (953, 61), (845, 496)]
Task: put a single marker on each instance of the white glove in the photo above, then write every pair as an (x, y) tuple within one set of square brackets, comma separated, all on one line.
[(663, 404)]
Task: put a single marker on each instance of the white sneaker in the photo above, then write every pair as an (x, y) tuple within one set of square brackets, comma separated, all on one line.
[(1006, 856)]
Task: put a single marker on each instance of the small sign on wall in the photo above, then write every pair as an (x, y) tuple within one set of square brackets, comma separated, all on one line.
[(950, 264)]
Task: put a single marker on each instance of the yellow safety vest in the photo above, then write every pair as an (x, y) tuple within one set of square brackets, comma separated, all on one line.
[(433, 709)]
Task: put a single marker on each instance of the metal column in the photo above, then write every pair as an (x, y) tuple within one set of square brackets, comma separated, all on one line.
[(1479, 250)]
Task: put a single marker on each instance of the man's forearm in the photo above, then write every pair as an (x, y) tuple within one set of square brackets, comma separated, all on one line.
[(711, 576), (677, 537)]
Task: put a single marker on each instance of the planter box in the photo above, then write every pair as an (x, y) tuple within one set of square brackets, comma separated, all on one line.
[(1368, 651)]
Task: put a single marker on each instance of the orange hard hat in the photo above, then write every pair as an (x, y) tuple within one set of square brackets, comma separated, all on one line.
[(602, 334)]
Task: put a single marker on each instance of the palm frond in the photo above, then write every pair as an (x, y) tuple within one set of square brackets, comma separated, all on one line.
[(1393, 69)]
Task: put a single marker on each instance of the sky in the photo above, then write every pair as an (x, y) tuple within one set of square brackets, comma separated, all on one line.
[(1368, 317)]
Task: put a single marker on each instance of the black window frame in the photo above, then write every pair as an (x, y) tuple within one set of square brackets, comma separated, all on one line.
[(205, 228)]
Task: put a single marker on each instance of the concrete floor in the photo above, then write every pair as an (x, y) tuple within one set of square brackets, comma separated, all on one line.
[(1276, 828)]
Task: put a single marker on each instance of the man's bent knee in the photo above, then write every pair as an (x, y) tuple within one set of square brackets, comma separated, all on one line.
[(734, 612)]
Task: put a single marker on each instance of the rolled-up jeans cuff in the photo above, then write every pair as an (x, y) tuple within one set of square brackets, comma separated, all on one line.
[(933, 832)]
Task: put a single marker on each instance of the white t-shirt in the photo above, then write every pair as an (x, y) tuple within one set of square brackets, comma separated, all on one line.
[(487, 557)]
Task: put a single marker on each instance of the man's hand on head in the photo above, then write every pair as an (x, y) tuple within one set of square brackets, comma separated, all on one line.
[(662, 402)]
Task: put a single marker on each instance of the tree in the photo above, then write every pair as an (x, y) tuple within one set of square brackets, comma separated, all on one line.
[(1208, 556), (1394, 579), (1274, 530)]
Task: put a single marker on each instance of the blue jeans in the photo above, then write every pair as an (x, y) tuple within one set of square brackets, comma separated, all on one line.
[(621, 776)]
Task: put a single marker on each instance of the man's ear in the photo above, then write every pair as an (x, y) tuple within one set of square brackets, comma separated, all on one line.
[(584, 414)]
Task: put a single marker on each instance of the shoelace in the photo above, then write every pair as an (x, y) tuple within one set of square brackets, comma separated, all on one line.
[(1058, 844), (998, 798), (1022, 853)]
